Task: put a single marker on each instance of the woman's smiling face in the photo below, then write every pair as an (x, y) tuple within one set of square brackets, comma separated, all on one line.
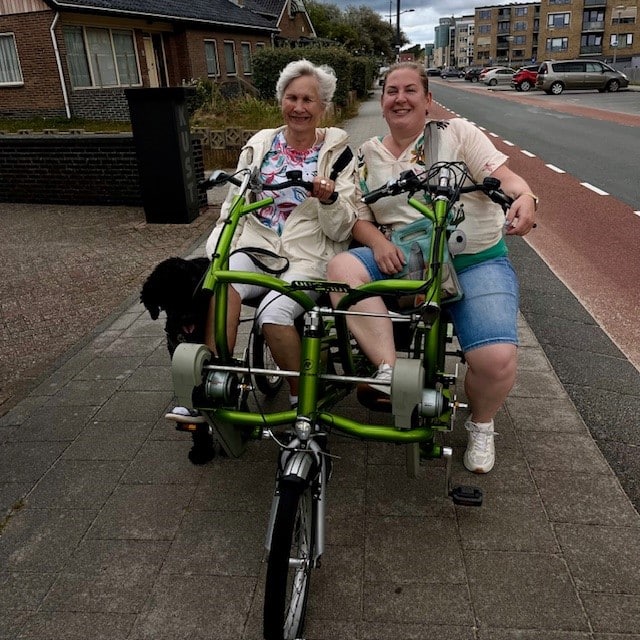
[(301, 106), (404, 101)]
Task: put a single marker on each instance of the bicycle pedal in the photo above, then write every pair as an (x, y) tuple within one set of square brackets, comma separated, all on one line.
[(188, 427), (466, 496)]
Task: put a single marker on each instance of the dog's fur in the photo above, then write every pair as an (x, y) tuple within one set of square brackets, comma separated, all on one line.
[(174, 287)]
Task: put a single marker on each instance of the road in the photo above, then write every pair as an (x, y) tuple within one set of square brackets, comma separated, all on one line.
[(582, 161)]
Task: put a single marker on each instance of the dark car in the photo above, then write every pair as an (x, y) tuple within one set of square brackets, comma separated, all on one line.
[(451, 72), (473, 73), (434, 71), (524, 79)]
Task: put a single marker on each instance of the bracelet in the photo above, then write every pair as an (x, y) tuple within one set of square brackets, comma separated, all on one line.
[(531, 195)]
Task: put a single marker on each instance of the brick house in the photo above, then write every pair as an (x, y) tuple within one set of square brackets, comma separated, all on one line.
[(76, 57)]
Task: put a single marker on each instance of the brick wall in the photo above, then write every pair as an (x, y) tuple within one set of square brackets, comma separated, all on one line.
[(75, 169)]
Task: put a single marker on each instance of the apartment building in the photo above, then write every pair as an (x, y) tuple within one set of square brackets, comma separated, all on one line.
[(525, 33)]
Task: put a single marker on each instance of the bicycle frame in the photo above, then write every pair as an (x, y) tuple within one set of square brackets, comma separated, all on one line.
[(422, 397)]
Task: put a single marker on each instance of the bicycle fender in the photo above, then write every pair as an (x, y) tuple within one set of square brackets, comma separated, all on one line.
[(406, 390), (187, 366)]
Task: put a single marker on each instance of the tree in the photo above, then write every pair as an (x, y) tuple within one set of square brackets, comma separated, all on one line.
[(360, 29)]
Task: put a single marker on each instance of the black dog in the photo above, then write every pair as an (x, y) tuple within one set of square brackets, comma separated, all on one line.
[(174, 287)]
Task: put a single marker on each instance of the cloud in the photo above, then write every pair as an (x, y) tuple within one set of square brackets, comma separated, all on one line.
[(418, 25)]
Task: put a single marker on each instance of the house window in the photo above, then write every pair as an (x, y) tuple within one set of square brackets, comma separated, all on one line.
[(484, 28), (558, 19), (246, 59), (520, 26), (211, 56), (10, 72), (557, 44), (230, 58), (519, 39), (101, 57), (260, 45), (484, 14), (522, 11)]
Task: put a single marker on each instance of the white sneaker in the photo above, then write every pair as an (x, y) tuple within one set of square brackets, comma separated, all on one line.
[(383, 374), (480, 455), (185, 416)]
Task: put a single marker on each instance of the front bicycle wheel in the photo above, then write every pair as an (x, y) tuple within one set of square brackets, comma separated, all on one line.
[(289, 564)]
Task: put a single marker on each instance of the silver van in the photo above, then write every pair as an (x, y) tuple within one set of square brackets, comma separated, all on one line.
[(555, 77)]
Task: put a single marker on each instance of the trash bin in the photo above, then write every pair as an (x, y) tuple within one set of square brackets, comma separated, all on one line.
[(162, 138)]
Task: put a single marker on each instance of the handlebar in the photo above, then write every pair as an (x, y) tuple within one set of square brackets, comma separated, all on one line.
[(294, 179), (409, 182)]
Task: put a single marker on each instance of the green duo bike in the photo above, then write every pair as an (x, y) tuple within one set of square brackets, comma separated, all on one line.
[(423, 395)]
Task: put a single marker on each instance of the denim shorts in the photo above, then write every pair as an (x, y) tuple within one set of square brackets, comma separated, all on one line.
[(488, 311)]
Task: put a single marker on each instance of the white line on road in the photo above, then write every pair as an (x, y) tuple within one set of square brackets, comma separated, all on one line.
[(554, 168), (637, 213), (600, 192), (528, 153), (509, 144), (493, 135)]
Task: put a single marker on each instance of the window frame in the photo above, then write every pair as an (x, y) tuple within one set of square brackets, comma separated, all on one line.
[(247, 61), (11, 36), (214, 44), (89, 54), (226, 44)]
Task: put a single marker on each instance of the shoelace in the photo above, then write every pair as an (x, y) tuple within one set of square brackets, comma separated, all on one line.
[(481, 439)]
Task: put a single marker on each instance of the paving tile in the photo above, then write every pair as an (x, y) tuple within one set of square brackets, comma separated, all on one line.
[(133, 406), (530, 634), (22, 410), (46, 625), (77, 484), (391, 492), (140, 512), (386, 631), (41, 540), (108, 441), (533, 359), (529, 414), (85, 392), (563, 452), (23, 590), (221, 543), (12, 494), (585, 499), (52, 422), (101, 368), (195, 607), (507, 522), (417, 603), (11, 624), (107, 576), (392, 553), (601, 558), (523, 591), (152, 378), (537, 384), (615, 613), (35, 458), (625, 461), (139, 345), (162, 462)]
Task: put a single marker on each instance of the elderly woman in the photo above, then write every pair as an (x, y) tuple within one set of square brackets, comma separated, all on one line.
[(485, 318), (307, 229)]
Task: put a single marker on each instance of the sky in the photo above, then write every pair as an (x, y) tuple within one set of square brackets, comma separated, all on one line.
[(419, 25)]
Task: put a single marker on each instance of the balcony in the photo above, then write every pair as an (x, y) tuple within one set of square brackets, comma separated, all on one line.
[(595, 3), (593, 26), (591, 49)]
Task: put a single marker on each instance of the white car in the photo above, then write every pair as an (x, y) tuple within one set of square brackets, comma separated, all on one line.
[(499, 75)]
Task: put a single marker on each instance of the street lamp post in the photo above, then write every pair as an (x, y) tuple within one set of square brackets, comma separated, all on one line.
[(398, 14), (509, 41), (620, 8)]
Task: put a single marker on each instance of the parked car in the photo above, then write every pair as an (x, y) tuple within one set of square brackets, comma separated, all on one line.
[(434, 71), (451, 72), (499, 75), (524, 79), (555, 77), (473, 73), (484, 72)]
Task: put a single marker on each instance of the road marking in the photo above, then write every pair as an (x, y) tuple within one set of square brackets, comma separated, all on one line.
[(637, 213), (510, 144), (528, 153), (554, 168), (600, 192), (493, 135)]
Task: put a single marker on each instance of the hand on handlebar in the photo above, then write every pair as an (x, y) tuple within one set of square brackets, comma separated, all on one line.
[(324, 189)]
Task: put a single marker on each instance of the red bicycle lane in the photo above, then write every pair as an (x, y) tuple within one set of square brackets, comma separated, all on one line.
[(590, 241)]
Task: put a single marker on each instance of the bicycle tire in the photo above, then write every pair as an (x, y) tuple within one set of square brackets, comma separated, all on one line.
[(289, 564), (268, 385)]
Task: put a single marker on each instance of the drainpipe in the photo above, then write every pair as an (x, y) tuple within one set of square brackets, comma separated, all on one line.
[(59, 65)]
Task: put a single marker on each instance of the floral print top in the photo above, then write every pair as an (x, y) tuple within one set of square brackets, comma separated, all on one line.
[(278, 160)]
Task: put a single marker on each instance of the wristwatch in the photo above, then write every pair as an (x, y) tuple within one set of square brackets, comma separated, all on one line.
[(533, 197)]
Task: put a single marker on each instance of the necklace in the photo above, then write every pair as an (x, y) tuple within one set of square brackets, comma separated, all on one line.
[(303, 146)]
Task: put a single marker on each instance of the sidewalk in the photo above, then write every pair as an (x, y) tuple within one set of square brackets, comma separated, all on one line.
[(108, 532)]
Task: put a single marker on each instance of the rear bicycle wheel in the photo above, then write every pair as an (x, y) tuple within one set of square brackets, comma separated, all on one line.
[(289, 564), (263, 359)]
